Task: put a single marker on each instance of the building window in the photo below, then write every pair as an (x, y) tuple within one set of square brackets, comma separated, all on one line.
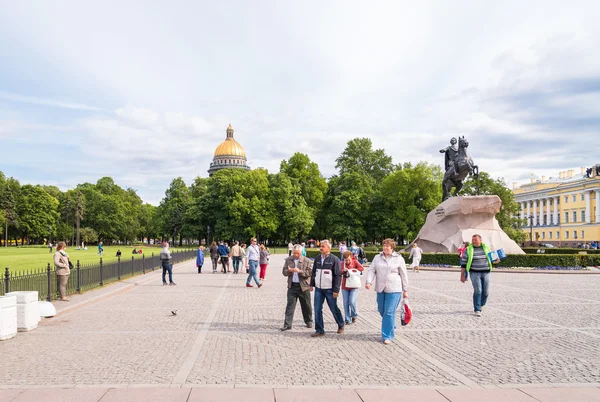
[(574, 234), (574, 216), (549, 235), (566, 198), (566, 234), (582, 197), (582, 216), (574, 198), (543, 235), (566, 217), (557, 235), (582, 234)]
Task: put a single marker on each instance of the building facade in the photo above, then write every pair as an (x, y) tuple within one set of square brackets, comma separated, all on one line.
[(229, 154), (564, 210)]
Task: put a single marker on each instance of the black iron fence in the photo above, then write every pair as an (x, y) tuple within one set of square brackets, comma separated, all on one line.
[(85, 276)]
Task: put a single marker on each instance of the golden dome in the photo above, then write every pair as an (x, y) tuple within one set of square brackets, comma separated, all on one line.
[(230, 147)]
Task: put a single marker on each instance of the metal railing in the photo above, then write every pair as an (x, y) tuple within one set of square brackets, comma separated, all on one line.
[(85, 276)]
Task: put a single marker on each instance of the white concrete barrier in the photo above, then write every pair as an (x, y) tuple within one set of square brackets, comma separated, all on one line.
[(8, 317), (28, 312)]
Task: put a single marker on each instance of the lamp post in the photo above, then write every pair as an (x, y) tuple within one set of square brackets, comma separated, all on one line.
[(207, 234), (531, 229)]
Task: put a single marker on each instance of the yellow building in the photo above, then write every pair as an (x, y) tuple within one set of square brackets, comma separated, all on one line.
[(563, 210), (229, 154)]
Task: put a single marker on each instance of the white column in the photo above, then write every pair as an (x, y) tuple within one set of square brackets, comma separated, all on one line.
[(555, 217), (588, 207), (548, 214), (528, 212), (535, 216), (597, 206), (541, 213), (523, 210)]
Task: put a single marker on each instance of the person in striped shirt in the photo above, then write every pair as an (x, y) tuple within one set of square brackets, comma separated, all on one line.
[(476, 262)]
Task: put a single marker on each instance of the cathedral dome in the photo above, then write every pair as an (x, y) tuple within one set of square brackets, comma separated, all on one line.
[(230, 147)]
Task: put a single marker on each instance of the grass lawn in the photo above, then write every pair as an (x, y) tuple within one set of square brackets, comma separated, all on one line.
[(19, 259)]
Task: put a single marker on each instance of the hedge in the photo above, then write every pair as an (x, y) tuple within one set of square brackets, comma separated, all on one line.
[(513, 260), (548, 250)]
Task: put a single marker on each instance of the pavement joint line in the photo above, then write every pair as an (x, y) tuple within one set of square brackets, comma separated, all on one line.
[(529, 395), (126, 287), (442, 395), (549, 294), (449, 370), (517, 315), (190, 361)]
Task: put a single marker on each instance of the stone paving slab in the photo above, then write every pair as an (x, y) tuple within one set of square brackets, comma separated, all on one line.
[(488, 395), (147, 395), (388, 395), (564, 394), (226, 336), (62, 395)]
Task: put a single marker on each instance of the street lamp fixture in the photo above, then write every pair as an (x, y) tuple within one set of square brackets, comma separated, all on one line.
[(531, 229)]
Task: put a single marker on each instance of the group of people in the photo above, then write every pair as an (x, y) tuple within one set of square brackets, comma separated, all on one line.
[(386, 274), (242, 256)]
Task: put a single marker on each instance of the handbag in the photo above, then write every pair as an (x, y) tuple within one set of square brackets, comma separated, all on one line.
[(405, 313), (353, 279)]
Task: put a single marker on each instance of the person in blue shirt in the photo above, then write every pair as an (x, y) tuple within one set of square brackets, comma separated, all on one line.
[(224, 255), (200, 259)]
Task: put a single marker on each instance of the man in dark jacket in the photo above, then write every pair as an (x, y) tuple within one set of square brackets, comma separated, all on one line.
[(326, 279), (298, 271)]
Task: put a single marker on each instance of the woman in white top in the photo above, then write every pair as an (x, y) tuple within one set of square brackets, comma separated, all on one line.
[(388, 269), (415, 254)]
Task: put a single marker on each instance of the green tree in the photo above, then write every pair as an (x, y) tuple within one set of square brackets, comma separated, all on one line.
[(295, 217), (9, 191), (173, 208), (38, 212), (360, 157), (306, 177), (88, 235), (508, 217), (404, 199)]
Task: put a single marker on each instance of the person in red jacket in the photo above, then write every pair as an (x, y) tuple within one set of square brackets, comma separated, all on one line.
[(350, 266)]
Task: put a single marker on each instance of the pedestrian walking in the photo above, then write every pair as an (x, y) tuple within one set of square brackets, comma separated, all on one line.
[(290, 248), (388, 269), (166, 258), (263, 261), (298, 270), (63, 269), (224, 256), (350, 267), (243, 260), (214, 256), (326, 280), (50, 246), (476, 261), (354, 249), (236, 256), (303, 250), (342, 248), (200, 259), (100, 249), (252, 258), (415, 253)]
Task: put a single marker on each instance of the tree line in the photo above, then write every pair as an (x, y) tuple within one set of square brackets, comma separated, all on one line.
[(368, 199)]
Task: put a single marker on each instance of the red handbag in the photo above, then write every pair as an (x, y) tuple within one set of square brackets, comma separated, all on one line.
[(406, 314)]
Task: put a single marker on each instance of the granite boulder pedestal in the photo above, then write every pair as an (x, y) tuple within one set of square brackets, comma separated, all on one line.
[(457, 219), (8, 317), (28, 312)]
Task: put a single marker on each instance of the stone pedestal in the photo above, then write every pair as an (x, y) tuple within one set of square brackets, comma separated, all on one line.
[(458, 218), (8, 317), (28, 312)]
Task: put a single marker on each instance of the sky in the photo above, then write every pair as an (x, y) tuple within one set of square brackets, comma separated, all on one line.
[(143, 91)]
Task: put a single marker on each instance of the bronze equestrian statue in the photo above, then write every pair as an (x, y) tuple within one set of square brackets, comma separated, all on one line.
[(458, 166)]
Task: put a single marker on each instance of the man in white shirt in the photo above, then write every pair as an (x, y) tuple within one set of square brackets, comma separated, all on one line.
[(252, 257), (298, 270)]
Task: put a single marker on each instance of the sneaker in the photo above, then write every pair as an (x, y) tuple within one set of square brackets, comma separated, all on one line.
[(164, 283), (285, 329), (309, 325), (172, 284), (478, 314), (340, 330), (249, 285), (353, 320), (387, 342), (259, 285), (317, 334), (66, 299)]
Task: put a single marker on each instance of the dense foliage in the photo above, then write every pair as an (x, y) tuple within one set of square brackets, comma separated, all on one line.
[(369, 198)]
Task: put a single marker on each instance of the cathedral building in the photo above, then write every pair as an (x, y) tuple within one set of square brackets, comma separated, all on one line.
[(229, 154)]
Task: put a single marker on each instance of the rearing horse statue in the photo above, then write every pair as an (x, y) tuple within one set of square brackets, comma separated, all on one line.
[(458, 170)]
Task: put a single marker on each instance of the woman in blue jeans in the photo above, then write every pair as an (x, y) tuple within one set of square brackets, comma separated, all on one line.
[(350, 263), (388, 269)]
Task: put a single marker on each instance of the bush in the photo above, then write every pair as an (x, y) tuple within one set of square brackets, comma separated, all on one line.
[(534, 250), (513, 260)]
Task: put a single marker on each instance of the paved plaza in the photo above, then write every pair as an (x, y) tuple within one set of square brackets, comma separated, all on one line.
[(538, 339)]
